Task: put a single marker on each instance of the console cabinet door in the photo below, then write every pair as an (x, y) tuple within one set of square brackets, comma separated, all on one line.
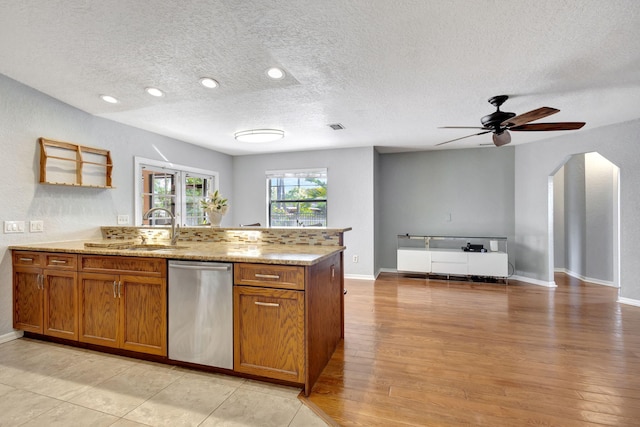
[(269, 332), (99, 309), (144, 314), (27, 299), (61, 304)]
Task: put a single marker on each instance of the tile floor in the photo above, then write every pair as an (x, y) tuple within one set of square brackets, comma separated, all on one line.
[(45, 384)]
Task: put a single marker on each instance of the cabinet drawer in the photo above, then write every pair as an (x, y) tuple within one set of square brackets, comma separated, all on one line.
[(61, 261), (119, 264), (27, 259), (454, 268), (273, 276), (448, 256)]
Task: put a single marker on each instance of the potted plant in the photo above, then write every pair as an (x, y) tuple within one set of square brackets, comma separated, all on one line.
[(215, 208)]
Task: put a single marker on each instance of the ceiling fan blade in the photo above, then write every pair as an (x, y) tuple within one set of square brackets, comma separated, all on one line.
[(462, 127), (529, 116), (463, 137), (500, 139), (536, 127)]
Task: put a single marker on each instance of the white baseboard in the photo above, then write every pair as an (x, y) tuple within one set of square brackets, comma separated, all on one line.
[(532, 281), (629, 301), (359, 277), (11, 336), (586, 279)]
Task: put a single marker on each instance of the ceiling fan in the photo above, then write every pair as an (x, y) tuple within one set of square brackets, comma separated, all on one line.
[(501, 122)]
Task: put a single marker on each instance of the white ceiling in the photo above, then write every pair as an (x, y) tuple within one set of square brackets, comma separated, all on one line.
[(391, 72)]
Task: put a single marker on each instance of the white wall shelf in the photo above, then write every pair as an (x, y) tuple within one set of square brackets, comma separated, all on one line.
[(445, 255)]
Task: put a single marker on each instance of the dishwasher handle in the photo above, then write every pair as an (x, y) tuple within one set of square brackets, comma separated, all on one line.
[(201, 267)]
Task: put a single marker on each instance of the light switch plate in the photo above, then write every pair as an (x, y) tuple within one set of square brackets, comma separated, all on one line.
[(14, 226), (123, 219), (36, 226)]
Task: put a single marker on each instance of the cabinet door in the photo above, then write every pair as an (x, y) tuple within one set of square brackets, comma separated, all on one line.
[(27, 299), (61, 304), (99, 309), (414, 260), (489, 264), (144, 314), (269, 332)]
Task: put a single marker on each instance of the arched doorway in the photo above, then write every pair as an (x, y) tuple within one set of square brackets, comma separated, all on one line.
[(584, 213)]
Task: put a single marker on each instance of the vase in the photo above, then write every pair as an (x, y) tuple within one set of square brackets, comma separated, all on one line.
[(215, 217)]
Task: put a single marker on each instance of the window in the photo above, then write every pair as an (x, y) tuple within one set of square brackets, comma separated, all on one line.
[(297, 198), (178, 189)]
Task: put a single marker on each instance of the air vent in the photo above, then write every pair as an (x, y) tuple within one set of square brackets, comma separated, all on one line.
[(336, 126)]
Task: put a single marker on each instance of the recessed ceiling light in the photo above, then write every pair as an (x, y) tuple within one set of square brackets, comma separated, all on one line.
[(259, 135), (154, 91), (208, 82), (275, 73), (108, 98)]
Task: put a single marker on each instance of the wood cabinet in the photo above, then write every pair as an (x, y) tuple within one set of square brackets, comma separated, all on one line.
[(123, 303), (288, 319), (269, 338), (45, 293)]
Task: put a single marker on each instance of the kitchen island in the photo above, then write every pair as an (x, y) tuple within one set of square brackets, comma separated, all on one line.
[(111, 294)]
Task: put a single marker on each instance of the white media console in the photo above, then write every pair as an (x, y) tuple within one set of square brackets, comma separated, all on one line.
[(444, 255)]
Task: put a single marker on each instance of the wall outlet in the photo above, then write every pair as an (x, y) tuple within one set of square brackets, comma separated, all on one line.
[(123, 219), (36, 226), (356, 258), (14, 226)]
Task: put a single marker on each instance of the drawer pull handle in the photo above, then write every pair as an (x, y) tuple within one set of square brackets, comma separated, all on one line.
[(267, 304), (26, 259), (267, 276), (114, 289), (58, 261)]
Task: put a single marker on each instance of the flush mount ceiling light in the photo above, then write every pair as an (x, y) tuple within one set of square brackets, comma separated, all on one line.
[(208, 82), (108, 98), (154, 91), (259, 135), (275, 73)]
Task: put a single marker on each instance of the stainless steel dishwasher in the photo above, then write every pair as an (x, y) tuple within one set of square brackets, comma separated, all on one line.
[(201, 313)]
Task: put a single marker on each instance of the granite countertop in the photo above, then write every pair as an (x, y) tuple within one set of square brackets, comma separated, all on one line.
[(197, 251)]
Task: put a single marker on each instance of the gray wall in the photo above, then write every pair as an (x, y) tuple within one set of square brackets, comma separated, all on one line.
[(418, 192), (558, 220), (350, 195), (71, 212), (537, 161), (584, 212), (600, 209), (575, 220)]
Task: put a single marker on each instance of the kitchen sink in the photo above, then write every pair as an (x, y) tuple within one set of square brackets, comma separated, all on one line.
[(154, 247)]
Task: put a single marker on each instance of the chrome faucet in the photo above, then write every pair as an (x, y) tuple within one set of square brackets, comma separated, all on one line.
[(175, 228)]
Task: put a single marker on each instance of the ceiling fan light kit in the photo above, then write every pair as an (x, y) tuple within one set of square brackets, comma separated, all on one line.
[(501, 122), (259, 135)]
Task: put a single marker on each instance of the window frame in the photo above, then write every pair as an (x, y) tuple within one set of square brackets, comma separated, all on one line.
[(300, 174), (181, 173)]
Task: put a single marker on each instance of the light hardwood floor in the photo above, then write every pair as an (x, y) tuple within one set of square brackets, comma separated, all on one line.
[(445, 353)]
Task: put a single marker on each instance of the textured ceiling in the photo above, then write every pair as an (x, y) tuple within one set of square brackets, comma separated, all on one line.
[(391, 72)]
